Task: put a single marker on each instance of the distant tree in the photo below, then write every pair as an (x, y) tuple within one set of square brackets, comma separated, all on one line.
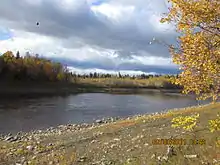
[(119, 75), (90, 75), (17, 55), (27, 54), (95, 75)]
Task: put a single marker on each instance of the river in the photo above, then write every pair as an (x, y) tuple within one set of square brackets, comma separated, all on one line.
[(27, 114)]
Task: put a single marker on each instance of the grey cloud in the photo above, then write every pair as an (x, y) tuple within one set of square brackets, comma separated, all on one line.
[(82, 25), (123, 66)]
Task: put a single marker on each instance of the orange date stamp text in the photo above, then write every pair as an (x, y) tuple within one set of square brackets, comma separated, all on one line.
[(170, 141)]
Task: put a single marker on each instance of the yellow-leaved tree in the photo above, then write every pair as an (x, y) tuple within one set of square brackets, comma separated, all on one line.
[(198, 49)]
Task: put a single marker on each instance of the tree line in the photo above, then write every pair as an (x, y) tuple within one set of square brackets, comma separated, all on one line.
[(119, 75), (33, 68)]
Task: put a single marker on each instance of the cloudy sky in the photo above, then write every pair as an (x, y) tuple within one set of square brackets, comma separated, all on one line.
[(90, 35)]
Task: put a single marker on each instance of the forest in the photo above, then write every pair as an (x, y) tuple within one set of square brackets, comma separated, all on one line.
[(32, 68)]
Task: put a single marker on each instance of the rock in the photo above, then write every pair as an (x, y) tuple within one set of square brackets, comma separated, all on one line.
[(99, 133), (165, 158), (190, 156), (9, 138), (10, 153), (112, 119), (170, 151), (99, 121), (116, 139), (146, 144), (82, 159), (113, 145), (130, 149), (60, 126), (159, 158), (93, 141), (106, 143), (137, 146), (69, 125), (51, 162), (214, 161), (135, 138), (30, 148), (26, 163), (15, 139), (129, 160), (153, 156), (34, 157)]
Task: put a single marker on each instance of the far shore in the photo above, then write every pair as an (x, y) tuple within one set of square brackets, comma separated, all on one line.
[(34, 89)]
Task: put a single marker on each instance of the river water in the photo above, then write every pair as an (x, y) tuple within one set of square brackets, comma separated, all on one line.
[(27, 114)]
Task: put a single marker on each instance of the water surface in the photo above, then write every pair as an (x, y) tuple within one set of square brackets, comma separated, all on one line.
[(26, 114)]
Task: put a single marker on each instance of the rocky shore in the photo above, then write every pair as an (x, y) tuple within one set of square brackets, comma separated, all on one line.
[(77, 127)]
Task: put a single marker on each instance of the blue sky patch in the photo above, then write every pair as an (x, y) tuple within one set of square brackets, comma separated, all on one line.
[(5, 34), (98, 2)]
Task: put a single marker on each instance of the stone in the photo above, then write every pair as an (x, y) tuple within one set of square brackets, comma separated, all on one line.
[(130, 149), (34, 157), (170, 151), (30, 148), (113, 145), (190, 156), (116, 139), (159, 158), (93, 141), (146, 144), (153, 156), (9, 138), (99, 121), (165, 158), (214, 161), (50, 144), (51, 162), (82, 159)]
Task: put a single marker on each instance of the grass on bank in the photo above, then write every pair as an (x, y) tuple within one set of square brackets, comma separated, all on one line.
[(113, 82), (126, 142), (152, 82)]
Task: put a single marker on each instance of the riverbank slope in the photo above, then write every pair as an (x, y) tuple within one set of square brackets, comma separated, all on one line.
[(123, 142), (17, 89)]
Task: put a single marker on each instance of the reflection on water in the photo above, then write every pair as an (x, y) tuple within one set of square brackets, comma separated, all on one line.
[(38, 113)]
